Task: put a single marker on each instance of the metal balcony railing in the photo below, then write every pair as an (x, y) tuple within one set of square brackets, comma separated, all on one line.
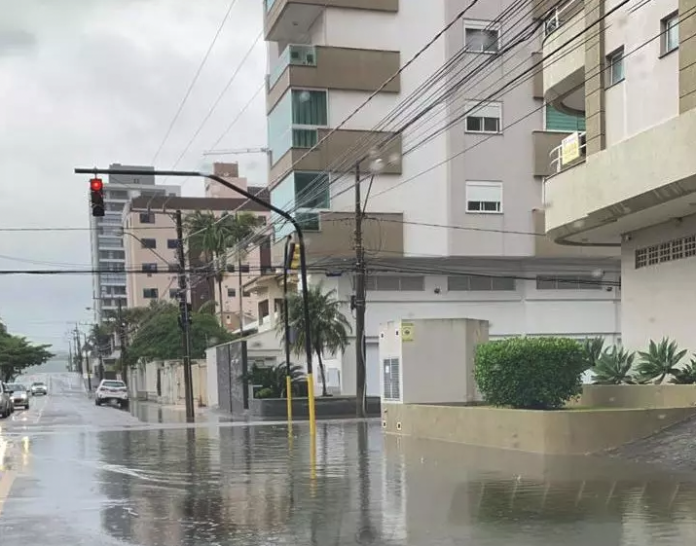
[(568, 152), (560, 14), (297, 55)]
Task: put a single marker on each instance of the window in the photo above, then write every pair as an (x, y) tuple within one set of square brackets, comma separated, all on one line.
[(148, 243), (677, 249), (112, 255), (558, 121), (150, 293), (173, 293), (149, 268), (173, 268), (395, 283), (615, 67), (229, 268), (568, 282), (247, 294), (484, 197), (483, 117), (147, 218), (312, 190), (670, 33), (245, 268), (116, 194), (309, 221), (231, 293), (172, 244), (479, 283), (483, 39)]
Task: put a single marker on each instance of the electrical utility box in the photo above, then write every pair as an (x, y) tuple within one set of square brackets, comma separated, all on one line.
[(429, 361)]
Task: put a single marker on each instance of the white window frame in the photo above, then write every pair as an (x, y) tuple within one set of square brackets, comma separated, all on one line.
[(488, 184), (474, 106), (667, 24), (611, 63), (475, 24)]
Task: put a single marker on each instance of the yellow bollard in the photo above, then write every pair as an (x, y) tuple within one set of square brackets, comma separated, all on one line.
[(288, 394)]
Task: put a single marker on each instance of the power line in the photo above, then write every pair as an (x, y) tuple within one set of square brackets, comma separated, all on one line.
[(193, 82)]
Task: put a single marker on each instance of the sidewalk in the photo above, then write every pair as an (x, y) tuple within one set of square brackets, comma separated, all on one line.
[(154, 412)]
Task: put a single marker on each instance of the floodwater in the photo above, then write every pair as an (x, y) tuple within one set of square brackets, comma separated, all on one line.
[(73, 473)]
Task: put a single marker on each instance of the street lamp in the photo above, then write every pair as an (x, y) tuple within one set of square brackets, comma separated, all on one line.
[(280, 212)]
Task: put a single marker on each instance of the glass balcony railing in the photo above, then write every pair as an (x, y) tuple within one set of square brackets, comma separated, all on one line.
[(269, 4), (298, 55)]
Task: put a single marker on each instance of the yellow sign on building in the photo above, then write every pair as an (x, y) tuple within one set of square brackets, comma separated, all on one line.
[(407, 331), (570, 148)]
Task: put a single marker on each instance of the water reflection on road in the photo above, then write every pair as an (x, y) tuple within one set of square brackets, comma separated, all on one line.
[(72, 473)]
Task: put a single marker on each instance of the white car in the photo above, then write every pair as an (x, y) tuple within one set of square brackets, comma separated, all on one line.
[(110, 391)]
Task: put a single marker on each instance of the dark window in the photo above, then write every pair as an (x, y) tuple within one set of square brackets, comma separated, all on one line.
[(261, 220), (231, 292), (478, 283), (173, 268), (247, 294), (173, 293), (150, 293), (571, 282), (245, 268), (172, 243), (148, 243), (229, 268), (149, 268), (147, 218)]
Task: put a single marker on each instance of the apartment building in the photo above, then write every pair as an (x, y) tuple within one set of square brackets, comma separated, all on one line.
[(106, 237), (628, 180), (150, 247), (452, 187)]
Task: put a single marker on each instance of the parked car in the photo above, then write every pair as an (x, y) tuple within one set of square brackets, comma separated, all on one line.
[(110, 391), (6, 406), (18, 394), (38, 387)]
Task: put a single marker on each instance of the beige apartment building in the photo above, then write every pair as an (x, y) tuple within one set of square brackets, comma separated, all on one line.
[(151, 252), (629, 180)]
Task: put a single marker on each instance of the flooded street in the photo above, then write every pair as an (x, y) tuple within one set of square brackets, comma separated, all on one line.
[(74, 473)]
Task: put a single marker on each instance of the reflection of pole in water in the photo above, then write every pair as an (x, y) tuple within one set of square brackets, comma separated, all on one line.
[(366, 533)]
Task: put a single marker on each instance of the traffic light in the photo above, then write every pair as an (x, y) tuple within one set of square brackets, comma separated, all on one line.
[(96, 190), (293, 256)]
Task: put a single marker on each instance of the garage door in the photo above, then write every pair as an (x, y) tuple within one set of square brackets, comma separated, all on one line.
[(373, 369)]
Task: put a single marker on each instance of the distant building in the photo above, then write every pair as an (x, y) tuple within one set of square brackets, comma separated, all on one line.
[(108, 256)]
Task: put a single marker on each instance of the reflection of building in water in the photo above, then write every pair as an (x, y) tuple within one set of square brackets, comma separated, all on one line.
[(449, 498), (394, 497)]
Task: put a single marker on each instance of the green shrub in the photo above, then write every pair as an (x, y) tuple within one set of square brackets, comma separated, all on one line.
[(530, 373), (265, 393)]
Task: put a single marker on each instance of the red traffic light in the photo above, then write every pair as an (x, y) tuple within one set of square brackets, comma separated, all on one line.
[(96, 184)]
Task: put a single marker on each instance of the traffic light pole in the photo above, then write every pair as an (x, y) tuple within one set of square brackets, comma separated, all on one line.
[(184, 319), (280, 212), (286, 325)]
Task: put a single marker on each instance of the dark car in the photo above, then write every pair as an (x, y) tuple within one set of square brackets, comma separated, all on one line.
[(19, 394), (38, 387), (5, 401)]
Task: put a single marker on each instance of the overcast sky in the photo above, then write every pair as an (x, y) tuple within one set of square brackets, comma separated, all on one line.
[(93, 82)]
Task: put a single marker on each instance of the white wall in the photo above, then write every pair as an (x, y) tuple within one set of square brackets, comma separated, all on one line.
[(659, 300), (650, 92), (212, 377)]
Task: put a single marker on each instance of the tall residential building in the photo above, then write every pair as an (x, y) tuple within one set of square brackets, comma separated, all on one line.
[(150, 246), (629, 179), (108, 256), (452, 181)]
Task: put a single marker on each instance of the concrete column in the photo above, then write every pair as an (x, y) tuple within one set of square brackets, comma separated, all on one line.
[(594, 77), (687, 56)]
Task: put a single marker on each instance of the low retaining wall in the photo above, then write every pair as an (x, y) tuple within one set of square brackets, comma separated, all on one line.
[(638, 396), (326, 407), (560, 432)]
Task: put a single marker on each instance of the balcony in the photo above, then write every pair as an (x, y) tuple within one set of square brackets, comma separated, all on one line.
[(564, 70), (303, 66), (332, 241), (290, 20), (331, 153), (645, 180), (546, 145), (544, 247)]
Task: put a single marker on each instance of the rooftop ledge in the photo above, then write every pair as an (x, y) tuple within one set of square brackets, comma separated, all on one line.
[(644, 180)]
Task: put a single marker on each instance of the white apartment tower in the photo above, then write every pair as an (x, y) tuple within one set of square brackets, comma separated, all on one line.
[(452, 168), (108, 255)]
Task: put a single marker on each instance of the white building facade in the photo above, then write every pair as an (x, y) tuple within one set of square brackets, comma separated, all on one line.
[(452, 169)]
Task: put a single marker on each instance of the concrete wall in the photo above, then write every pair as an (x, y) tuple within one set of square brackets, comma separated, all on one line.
[(638, 396), (334, 406), (143, 383), (549, 432)]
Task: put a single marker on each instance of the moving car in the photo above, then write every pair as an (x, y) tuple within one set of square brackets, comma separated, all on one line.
[(6, 406), (110, 391), (18, 394), (39, 387)]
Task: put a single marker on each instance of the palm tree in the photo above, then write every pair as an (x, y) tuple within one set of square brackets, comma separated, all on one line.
[(212, 238), (329, 328), (660, 360)]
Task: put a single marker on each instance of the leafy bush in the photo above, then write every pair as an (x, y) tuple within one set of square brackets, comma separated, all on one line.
[(265, 393), (660, 360), (614, 367), (685, 375), (530, 373)]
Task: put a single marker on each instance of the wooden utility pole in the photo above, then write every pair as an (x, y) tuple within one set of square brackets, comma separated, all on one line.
[(360, 274), (185, 319)]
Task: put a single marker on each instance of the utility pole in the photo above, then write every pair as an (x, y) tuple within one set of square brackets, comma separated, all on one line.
[(360, 274), (71, 364), (185, 319), (241, 295), (78, 350), (122, 341)]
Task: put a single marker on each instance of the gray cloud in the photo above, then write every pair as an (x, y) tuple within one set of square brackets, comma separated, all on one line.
[(16, 41), (102, 87)]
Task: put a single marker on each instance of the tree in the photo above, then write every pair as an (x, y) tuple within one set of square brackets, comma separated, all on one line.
[(212, 238), (17, 353), (159, 338), (329, 328)]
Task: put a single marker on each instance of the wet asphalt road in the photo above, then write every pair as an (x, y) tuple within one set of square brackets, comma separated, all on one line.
[(73, 473)]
